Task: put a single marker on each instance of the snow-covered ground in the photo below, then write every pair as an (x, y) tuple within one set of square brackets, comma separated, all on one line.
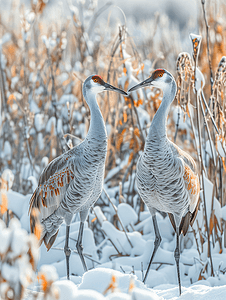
[(101, 283), (115, 272)]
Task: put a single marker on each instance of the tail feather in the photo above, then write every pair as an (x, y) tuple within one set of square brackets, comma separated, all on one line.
[(194, 214), (48, 241), (184, 224), (187, 220), (171, 217), (51, 228)]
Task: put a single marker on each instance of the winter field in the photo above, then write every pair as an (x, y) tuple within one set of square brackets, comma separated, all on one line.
[(43, 64)]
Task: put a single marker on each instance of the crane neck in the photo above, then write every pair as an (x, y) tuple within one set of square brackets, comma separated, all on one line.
[(158, 125), (97, 127)]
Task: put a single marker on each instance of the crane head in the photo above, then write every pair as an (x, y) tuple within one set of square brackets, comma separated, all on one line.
[(97, 85), (159, 78)]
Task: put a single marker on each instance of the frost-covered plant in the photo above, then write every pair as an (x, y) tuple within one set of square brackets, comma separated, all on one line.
[(6, 182), (18, 259), (47, 276), (210, 148)]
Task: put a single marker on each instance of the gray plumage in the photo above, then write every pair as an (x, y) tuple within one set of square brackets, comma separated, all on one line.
[(73, 182), (166, 176)]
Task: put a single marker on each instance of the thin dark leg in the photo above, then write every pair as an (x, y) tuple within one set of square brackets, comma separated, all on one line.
[(79, 246), (67, 250), (177, 259), (156, 243)]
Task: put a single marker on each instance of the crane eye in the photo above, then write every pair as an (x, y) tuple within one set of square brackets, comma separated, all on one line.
[(98, 79), (158, 73)]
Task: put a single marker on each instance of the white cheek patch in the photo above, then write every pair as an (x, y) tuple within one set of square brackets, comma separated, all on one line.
[(97, 88)]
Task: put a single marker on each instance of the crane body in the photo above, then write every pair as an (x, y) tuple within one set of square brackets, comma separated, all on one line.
[(166, 176), (73, 182)]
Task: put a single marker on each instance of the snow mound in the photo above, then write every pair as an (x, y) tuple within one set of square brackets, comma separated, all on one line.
[(67, 289), (195, 292), (101, 283), (99, 279), (104, 283)]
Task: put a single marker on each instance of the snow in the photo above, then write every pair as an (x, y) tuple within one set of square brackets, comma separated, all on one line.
[(5, 38), (208, 188), (200, 81), (49, 271), (100, 216), (17, 203), (223, 211), (67, 289), (127, 286), (183, 119), (41, 144), (135, 252), (7, 179), (67, 98), (209, 146), (51, 125), (39, 122), (127, 214), (221, 149), (114, 171), (5, 236), (7, 151), (19, 255)]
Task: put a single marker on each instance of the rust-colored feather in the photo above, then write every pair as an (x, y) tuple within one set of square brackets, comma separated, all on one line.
[(33, 197), (44, 201), (35, 224)]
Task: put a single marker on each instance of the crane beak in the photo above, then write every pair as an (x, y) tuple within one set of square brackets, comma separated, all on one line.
[(146, 82), (108, 87)]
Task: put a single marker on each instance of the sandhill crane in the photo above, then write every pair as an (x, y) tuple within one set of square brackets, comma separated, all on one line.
[(73, 181), (166, 176)]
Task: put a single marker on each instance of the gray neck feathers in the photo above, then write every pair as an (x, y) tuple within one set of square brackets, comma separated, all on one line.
[(158, 125), (97, 129)]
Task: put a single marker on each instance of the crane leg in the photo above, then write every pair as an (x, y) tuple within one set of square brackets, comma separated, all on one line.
[(80, 247), (177, 259), (67, 250), (157, 242)]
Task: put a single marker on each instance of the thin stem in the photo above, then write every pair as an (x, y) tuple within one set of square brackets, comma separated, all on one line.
[(203, 170), (208, 46), (207, 226), (208, 132), (138, 120), (2, 86), (118, 218), (208, 109), (177, 125), (74, 251)]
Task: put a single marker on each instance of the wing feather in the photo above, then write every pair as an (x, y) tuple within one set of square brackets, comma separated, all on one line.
[(187, 220), (185, 156), (54, 181), (192, 184)]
